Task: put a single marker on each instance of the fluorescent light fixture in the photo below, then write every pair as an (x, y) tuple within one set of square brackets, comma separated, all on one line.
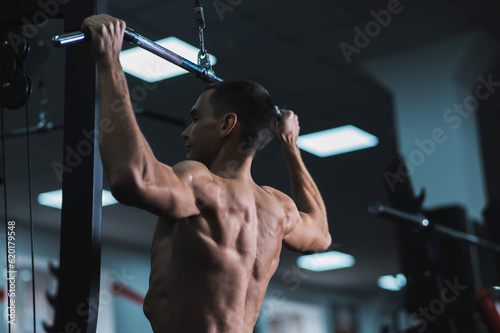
[(393, 283), (336, 141), (54, 199), (325, 261), (149, 67)]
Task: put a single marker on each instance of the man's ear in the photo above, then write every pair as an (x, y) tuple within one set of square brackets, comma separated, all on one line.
[(228, 123)]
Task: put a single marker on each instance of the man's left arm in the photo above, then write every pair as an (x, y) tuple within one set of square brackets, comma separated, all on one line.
[(307, 223)]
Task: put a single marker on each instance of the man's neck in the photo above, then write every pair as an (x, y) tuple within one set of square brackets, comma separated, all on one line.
[(232, 164)]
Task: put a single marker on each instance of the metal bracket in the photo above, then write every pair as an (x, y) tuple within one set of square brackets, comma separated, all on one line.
[(203, 56), (204, 60)]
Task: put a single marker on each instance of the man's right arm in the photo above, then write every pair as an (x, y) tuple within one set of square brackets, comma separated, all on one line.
[(136, 177), (306, 229)]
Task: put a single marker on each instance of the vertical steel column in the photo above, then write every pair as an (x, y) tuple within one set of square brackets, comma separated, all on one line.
[(80, 252)]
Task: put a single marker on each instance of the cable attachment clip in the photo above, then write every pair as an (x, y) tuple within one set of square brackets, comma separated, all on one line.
[(203, 56), (204, 60)]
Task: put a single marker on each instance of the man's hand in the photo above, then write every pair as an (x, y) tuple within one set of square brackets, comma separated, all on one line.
[(107, 37), (287, 129)]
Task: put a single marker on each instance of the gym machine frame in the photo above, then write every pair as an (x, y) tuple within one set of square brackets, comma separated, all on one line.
[(77, 300)]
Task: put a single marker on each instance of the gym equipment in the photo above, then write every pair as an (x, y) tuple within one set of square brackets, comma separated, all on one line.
[(202, 71), (436, 258), (133, 37)]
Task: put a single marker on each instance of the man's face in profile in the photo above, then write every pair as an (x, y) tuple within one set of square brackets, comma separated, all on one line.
[(202, 140)]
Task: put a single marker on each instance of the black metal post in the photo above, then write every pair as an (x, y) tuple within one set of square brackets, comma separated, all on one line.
[(80, 251)]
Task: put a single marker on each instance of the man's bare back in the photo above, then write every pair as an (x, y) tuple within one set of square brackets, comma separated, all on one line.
[(209, 273), (219, 236)]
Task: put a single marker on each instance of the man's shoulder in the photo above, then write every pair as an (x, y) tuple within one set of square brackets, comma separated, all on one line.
[(192, 170), (269, 189), (190, 165), (278, 195)]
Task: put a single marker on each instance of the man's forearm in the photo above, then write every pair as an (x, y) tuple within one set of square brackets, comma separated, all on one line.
[(122, 144), (305, 193)]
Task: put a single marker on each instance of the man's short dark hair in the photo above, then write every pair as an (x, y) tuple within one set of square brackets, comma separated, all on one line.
[(253, 106)]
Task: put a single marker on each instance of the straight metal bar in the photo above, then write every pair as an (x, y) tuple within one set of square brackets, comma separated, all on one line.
[(423, 222), (134, 38)]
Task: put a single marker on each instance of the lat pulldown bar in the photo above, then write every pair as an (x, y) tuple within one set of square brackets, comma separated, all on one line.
[(204, 74), (134, 38)]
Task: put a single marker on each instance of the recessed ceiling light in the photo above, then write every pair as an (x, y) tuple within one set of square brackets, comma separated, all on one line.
[(54, 199), (325, 261), (393, 283), (149, 67), (336, 141)]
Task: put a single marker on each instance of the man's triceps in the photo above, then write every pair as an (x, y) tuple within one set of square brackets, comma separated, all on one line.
[(169, 191), (306, 235)]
